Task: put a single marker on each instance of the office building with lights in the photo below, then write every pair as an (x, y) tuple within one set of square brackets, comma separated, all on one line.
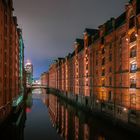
[(103, 71), (29, 72)]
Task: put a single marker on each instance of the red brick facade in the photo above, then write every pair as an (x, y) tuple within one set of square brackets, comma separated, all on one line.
[(105, 65), (45, 79), (9, 58)]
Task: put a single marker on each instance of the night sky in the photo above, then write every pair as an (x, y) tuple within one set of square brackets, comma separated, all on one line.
[(50, 27)]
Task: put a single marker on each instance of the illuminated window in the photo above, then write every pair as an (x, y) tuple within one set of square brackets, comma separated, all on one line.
[(133, 67), (133, 99)]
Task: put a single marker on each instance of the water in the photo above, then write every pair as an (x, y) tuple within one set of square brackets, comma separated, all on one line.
[(47, 117), (38, 125), (73, 124)]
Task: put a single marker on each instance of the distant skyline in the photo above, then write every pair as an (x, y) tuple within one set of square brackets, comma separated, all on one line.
[(50, 27)]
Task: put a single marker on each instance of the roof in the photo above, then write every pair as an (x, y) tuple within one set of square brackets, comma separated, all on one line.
[(91, 31), (80, 41), (109, 26), (73, 53), (120, 20), (81, 44)]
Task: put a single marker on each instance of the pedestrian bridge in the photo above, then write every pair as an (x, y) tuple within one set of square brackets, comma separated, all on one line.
[(34, 86)]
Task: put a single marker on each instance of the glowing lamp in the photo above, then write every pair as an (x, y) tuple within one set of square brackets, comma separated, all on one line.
[(124, 109)]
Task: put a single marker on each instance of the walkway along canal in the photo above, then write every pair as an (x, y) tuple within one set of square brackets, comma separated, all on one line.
[(47, 116)]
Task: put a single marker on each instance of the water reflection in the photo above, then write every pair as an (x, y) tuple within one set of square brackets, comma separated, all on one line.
[(73, 124), (67, 122), (32, 122), (38, 125)]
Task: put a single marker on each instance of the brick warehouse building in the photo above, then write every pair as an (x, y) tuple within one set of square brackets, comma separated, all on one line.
[(44, 79), (11, 60), (103, 72)]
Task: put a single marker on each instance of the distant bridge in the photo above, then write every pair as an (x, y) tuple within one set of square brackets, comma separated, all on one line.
[(34, 86)]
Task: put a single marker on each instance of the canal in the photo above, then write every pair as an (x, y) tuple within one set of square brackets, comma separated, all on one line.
[(47, 117)]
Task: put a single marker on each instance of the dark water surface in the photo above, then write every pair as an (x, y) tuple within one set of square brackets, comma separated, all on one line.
[(38, 125), (47, 117)]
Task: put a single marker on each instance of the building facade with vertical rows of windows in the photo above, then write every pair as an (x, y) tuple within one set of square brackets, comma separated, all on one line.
[(44, 79), (103, 71), (11, 60)]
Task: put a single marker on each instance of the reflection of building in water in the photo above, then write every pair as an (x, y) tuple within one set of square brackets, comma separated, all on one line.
[(73, 124), (67, 122), (29, 72), (29, 101), (45, 97)]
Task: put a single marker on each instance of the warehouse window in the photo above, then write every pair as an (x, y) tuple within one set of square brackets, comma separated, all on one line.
[(133, 37), (133, 67)]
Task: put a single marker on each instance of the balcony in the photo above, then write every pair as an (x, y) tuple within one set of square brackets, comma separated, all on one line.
[(133, 85)]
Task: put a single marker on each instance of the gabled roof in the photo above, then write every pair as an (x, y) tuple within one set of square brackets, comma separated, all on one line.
[(80, 41), (91, 31), (120, 20), (81, 44), (109, 26)]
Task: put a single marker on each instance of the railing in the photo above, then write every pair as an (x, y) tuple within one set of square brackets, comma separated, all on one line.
[(36, 86)]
